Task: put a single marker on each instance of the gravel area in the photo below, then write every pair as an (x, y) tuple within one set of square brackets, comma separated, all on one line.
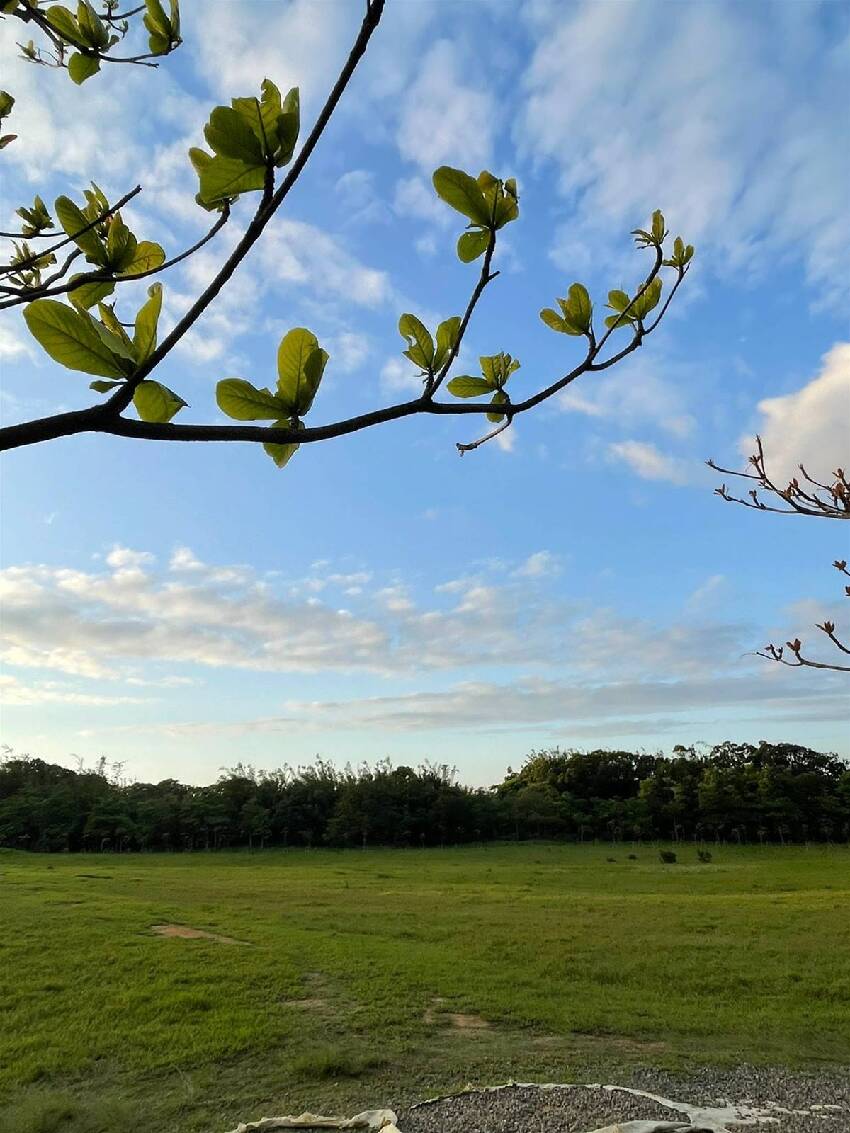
[(823, 1097), (531, 1111)]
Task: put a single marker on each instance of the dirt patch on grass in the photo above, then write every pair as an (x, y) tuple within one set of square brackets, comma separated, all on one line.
[(184, 932), (312, 1004), (458, 1021)]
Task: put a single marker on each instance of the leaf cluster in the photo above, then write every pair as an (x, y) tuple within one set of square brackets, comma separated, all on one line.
[(106, 243), (495, 371), (422, 351), (92, 35), (300, 366), (77, 340), (249, 139), (488, 202)]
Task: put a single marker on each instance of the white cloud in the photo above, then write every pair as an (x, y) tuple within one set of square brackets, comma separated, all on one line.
[(541, 564), (13, 345), (298, 44), (809, 427), (444, 120), (610, 709), (650, 464), (14, 693), (416, 198), (349, 350), (731, 124), (637, 392), (293, 252), (400, 376)]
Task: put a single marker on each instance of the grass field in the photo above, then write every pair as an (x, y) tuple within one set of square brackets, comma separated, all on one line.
[(373, 977)]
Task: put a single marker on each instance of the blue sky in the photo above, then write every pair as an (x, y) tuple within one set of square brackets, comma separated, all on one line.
[(575, 582)]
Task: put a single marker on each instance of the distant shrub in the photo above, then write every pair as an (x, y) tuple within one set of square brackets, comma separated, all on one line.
[(668, 857), (704, 856), (633, 857), (610, 859)]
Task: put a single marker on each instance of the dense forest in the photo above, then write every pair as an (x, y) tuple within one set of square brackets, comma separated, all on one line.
[(733, 792)]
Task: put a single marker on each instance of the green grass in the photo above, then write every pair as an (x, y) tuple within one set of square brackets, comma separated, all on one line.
[(355, 963)]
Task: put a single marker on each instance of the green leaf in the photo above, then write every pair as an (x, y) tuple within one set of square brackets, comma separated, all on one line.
[(70, 338), (144, 332), (120, 245), (467, 386), (577, 309), (87, 294), (224, 177), (104, 387), (61, 20), (300, 365), (473, 244), (230, 136), (288, 126), (507, 210), (553, 320), (156, 20), (658, 230), (497, 368), (110, 321), (244, 402), (117, 344), (147, 257), (282, 454), (82, 67), (649, 298), (499, 398), (463, 193), (447, 336), (618, 300), (92, 28), (420, 344), (156, 402), (73, 220)]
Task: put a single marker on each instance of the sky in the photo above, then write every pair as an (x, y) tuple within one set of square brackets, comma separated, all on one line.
[(575, 582)]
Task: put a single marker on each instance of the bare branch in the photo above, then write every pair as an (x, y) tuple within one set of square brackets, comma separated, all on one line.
[(828, 501)]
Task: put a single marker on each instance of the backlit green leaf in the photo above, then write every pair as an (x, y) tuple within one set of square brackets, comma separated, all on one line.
[(230, 136), (244, 402), (147, 257), (70, 338), (87, 294), (82, 67), (300, 365), (156, 402), (73, 221), (104, 387), (224, 177), (463, 193), (61, 20), (447, 335), (144, 332), (553, 320), (467, 386), (420, 344), (473, 244)]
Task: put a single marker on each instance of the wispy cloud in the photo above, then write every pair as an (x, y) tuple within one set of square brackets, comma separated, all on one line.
[(744, 190)]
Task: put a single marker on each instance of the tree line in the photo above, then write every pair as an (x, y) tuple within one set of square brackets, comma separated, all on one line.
[(732, 792)]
